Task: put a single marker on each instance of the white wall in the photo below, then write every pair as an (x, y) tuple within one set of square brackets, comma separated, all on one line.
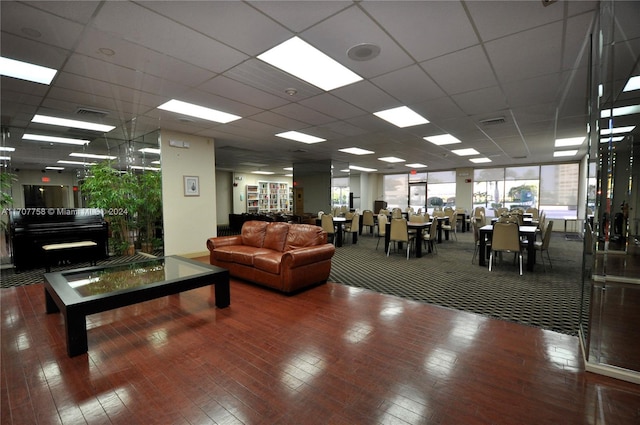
[(224, 196), (188, 220), (464, 189), (34, 177)]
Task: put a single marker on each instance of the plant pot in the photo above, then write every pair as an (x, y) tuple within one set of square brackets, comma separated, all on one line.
[(146, 247), (131, 250)]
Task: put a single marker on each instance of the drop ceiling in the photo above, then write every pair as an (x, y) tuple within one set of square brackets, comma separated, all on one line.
[(460, 64)]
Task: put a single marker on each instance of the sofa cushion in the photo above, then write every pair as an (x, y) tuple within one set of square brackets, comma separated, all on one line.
[(240, 254), (253, 233), (304, 235), (276, 236), (270, 262)]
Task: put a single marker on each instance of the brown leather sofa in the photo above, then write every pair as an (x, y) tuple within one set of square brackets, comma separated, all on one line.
[(283, 256)]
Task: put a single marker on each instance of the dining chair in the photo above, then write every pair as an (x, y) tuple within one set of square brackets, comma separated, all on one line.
[(396, 213), (382, 227), (476, 237), (328, 226), (399, 233), (534, 212), (451, 227), (429, 238), (352, 227), (506, 238), (368, 220), (543, 246)]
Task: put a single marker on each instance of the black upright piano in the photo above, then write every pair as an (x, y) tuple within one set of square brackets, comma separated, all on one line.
[(31, 228)]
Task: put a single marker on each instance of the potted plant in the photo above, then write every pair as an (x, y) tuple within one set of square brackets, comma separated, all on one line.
[(149, 208), (6, 201), (113, 192)]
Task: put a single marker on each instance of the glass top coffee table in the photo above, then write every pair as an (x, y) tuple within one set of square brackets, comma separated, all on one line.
[(80, 292)]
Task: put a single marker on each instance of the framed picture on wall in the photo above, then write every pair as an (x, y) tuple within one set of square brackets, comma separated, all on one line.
[(191, 186)]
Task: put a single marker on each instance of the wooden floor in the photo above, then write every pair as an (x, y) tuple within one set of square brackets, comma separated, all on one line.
[(330, 355)]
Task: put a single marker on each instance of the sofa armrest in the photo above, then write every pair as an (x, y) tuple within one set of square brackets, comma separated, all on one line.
[(308, 255), (217, 242)]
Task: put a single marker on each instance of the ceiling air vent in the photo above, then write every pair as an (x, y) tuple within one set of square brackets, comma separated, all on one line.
[(89, 112), (493, 121)]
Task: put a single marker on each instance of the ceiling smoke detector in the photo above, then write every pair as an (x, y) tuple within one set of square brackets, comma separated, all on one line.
[(291, 91), (363, 52)]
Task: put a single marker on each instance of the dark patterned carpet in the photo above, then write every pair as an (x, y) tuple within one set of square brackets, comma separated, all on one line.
[(549, 300), (9, 278)]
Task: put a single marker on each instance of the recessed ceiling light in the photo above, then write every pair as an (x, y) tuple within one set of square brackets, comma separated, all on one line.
[(415, 165), (401, 116), (356, 151), (304, 61), (632, 84), (618, 112), (368, 170), (613, 139), (26, 71), (569, 141), (442, 139), (565, 153), (63, 122), (6, 149), (64, 161), (140, 167), (91, 155), (106, 51), (465, 152), (479, 160), (184, 108), (300, 137), (150, 150), (616, 130), (263, 172), (391, 159), (52, 139)]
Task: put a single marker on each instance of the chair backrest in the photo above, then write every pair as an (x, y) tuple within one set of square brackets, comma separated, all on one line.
[(419, 211), (367, 218), (506, 237), (327, 223), (416, 218), (344, 209), (427, 217), (320, 214), (399, 230), (396, 213), (382, 224), (438, 213), (478, 211), (355, 223), (534, 212), (349, 215), (547, 235), (500, 211), (384, 211)]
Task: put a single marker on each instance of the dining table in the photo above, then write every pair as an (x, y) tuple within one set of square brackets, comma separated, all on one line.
[(418, 226), (530, 232)]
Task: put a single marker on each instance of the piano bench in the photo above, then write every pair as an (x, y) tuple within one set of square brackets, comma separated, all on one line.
[(56, 250)]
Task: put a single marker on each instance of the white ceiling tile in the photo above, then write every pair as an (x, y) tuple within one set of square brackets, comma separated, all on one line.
[(409, 85), (478, 101)]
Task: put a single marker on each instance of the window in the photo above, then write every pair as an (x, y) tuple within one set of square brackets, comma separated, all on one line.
[(559, 190), (396, 188), (441, 189)]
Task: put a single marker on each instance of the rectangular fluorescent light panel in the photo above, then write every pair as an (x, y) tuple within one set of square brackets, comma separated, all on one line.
[(356, 151), (64, 161), (442, 139), (54, 168), (616, 130), (401, 117), (618, 112), (26, 71), (263, 172), (91, 155), (150, 150), (189, 109), (466, 152), (368, 170), (63, 122), (300, 137), (613, 139), (632, 84), (565, 153), (304, 61), (415, 165), (569, 141), (5, 158), (288, 168), (139, 167), (479, 160), (391, 159), (7, 149), (52, 139)]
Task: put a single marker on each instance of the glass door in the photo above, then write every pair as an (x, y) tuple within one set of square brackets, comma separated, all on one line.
[(418, 196)]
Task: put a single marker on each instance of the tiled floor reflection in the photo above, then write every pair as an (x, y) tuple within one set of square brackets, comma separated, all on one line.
[(331, 355)]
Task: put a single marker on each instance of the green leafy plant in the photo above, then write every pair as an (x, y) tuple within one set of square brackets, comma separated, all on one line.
[(115, 193), (6, 200), (150, 208)]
